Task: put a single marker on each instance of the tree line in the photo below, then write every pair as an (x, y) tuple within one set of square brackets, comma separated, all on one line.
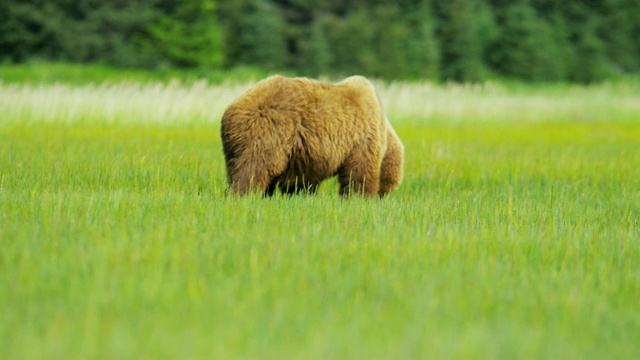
[(458, 40)]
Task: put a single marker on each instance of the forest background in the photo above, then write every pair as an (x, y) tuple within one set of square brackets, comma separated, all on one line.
[(441, 40)]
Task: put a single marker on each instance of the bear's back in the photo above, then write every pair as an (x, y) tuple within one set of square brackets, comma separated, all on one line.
[(283, 93)]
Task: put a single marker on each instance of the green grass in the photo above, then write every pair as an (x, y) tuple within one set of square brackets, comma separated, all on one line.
[(506, 240), (52, 73)]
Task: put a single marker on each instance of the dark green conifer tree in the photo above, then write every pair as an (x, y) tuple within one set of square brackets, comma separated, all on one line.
[(466, 30), (186, 33), (527, 47)]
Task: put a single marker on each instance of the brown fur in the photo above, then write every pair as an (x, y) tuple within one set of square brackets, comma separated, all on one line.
[(292, 133)]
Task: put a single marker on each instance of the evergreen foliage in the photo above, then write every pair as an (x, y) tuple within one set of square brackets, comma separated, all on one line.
[(467, 28), (186, 33), (527, 47), (459, 40)]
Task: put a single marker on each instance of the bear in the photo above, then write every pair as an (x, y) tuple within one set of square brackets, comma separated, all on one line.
[(292, 133)]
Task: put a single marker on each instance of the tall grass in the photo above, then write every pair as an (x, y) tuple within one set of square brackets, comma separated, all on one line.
[(201, 102), (512, 236), (107, 103)]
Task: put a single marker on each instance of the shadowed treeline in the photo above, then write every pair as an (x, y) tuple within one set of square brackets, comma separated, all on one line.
[(460, 40)]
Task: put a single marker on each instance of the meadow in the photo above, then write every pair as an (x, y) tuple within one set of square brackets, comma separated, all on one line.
[(514, 235)]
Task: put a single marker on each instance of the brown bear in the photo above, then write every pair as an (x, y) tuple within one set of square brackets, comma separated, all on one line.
[(292, 133)]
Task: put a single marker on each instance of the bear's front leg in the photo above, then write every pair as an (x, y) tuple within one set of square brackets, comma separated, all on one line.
[(246, 180), (254, 167)]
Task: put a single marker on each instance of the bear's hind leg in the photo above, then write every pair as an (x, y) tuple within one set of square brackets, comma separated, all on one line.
[(391, 168), (360, 173)]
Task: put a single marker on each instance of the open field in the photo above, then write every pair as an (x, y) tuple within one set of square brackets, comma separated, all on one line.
[(515, 234)]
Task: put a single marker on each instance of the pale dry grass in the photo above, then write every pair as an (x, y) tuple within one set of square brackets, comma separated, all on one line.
[(117, 103), (201, 102), (495, 103)]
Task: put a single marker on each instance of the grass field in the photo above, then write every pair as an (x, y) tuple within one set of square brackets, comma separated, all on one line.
[(515, 234)]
